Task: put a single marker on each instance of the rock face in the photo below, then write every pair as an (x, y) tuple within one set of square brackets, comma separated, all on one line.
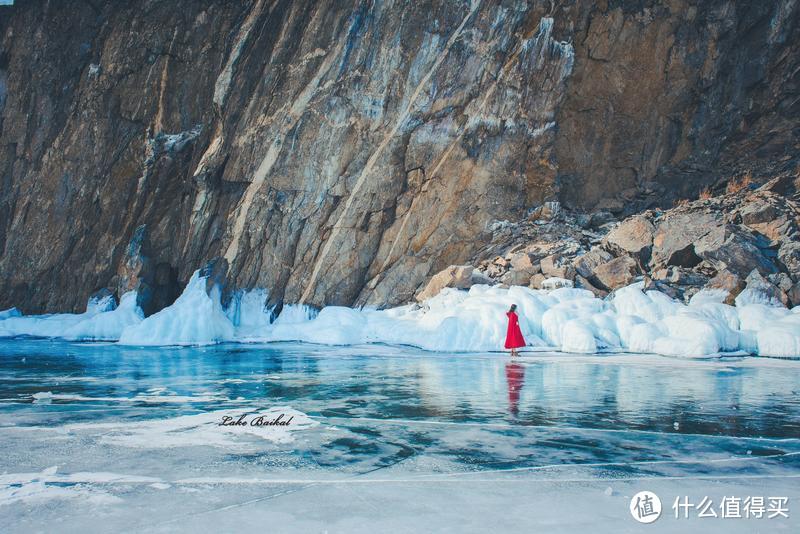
[(343, 152)]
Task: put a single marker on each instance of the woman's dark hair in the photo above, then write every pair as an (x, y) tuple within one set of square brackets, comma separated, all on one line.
[(513, 307)]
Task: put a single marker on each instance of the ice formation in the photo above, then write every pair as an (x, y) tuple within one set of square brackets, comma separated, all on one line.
[(565, 319), (102, 320), (196, 317)]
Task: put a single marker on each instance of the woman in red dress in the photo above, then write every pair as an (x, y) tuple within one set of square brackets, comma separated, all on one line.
[(514, 339)]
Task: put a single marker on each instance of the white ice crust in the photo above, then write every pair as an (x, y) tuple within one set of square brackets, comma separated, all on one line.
[(474, 320)]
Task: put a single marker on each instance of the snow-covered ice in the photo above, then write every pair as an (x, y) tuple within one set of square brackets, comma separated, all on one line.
[(565, 319)]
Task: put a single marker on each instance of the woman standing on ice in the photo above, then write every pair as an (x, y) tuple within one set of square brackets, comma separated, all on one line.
[(514, 339)]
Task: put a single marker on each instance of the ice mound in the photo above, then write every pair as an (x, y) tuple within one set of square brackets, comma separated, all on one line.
[(102, 320), (249, 308), (11, 312), (108, 326), (566, 319), (195, 318)]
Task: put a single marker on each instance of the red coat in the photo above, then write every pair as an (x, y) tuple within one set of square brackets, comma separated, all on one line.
[(514, 339)]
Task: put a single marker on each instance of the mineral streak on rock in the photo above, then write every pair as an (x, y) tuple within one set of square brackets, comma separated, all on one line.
[(345, 152)]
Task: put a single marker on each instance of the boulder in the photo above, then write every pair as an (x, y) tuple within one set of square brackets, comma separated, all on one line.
[(536, 281), (633, 236), (781, 280), (734, 248), (478, 277), (557, 266), (495, 271), (501, 261), (522, 261), (600, 218), (651, 284), (680, 276), (616, 273), (586, 263), (759, 290), (769, 215), (728, 281), (583, 283), (516, 278), (794, 294), (785, 185), (789, 256), (458, 276), (758, 211), (676, 234)]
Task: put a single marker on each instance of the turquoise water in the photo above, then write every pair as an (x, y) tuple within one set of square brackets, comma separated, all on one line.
[(391, 415)]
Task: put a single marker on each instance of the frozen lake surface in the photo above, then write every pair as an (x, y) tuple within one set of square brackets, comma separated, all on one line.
[(99, 437)]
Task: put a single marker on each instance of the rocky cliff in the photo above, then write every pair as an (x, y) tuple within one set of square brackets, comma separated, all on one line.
[(342, 152)]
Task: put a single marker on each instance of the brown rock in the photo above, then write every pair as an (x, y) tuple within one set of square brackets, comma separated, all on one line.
[(728, 281), (789, 256), (522, 261), (768, 214), (633, 235), (516, 278), (680, 276), (794, 294), (735, 249), (616, 273), (586, 263), (583, 283), (478, 277), (781, 280), (536, 281), (290, 152), (458, 276), (673, 241), (557, 266)]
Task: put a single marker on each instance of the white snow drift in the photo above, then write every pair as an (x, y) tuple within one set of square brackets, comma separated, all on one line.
[(566, 319)]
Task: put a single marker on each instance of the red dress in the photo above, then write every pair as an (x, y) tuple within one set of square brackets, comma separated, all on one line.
[(514, 339)]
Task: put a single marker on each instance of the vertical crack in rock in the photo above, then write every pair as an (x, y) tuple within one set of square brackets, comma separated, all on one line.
[(326, 247), (539, 42), (287, 123), (223, 83)]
